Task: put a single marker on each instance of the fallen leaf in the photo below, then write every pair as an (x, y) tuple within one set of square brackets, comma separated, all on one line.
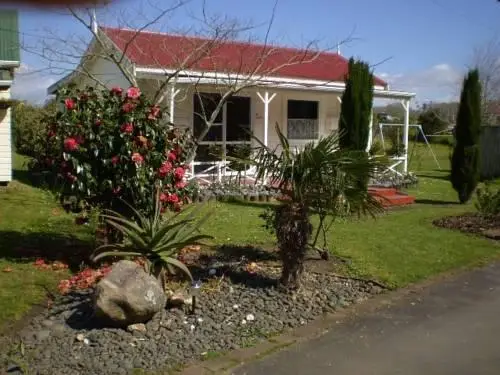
[(7, 269)]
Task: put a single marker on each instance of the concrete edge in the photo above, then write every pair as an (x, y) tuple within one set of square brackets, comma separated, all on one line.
[(234, 359)]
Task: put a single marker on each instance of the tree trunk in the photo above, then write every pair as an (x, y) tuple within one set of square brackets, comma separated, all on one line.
[(293, 231)]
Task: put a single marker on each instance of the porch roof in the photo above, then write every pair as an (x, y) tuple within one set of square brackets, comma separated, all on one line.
[(214, 78)]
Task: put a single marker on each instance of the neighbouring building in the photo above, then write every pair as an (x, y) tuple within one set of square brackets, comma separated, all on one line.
[(9, 61)]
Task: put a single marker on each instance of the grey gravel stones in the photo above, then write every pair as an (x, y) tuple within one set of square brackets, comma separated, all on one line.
[(173, 337)]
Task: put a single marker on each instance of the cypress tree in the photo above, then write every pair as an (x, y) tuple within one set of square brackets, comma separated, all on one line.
[(465, 157), (356, 106)]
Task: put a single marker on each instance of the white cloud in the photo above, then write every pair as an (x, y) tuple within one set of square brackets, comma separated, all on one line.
[(31, 85), (440, 82)]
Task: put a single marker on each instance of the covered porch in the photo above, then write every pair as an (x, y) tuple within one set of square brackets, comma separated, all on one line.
[(304, 110)]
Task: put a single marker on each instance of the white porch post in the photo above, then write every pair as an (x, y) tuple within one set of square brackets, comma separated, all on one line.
[(370, 133), (266, 99), (173, 94), (406, 106)]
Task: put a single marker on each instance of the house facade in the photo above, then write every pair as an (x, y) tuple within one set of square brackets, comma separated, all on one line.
[(298, 90), (9, 61)]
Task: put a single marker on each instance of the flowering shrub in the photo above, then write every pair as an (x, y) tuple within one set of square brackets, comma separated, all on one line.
[(106, 145)]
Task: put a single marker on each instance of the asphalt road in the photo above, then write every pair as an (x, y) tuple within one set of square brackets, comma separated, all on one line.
[(449, 328)]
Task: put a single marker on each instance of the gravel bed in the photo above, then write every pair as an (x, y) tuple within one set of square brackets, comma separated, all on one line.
[(67, 340)]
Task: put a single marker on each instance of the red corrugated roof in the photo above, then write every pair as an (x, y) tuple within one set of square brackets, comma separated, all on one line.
[(160, 50)]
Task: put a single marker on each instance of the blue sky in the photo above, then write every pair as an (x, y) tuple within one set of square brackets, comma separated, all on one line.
[(421, 45)]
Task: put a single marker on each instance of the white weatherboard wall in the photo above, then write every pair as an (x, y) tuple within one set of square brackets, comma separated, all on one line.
[(5, 141)]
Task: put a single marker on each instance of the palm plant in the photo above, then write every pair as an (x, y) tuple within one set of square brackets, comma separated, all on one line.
[(156, 239), (320, 178)]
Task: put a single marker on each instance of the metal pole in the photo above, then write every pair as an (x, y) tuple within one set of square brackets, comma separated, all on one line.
[(406, 106)]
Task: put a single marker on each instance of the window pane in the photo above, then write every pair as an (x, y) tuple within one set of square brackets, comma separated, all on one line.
[(302, 129), (238, 119), (302, 109)]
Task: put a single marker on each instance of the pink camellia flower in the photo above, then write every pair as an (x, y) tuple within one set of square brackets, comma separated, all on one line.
[(154, 112), (70, 144), (70, 104), (173, 198), (70, 177), (79, 139), (172, 156), (179, 173), (163, 197), (180, 184), (116, 90), (115, 160), (133, 93), (137, 158), (128, 107), (127, 128), (165, 168)]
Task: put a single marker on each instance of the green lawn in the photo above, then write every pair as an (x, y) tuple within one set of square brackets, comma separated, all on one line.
[(398, 248)]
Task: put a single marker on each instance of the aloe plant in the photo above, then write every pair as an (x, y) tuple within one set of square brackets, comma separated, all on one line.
[(157, 239)]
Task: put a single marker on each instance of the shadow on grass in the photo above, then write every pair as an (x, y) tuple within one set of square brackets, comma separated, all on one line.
[(43, 180), (437, 202), (26, 247)]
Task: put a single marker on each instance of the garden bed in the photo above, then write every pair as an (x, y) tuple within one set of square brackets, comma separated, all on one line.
[(486, 225), (235, 309)]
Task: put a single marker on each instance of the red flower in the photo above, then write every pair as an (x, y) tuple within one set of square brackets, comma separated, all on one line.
[(39, 262), (163, 197), (116, 90), (64, 286), (115, 160), (70, 144), (79, 139), (173, 198), (98, 122), (51, 134), (128, 107), (165, 168), (116, 190), (70, 104), (154, 113), (179, 173), (127, 128), (172, 156), (133, 93), (70, 177), (180, 185), (137, 158)]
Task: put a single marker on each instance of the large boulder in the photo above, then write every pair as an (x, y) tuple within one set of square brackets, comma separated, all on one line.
[(128, 295)]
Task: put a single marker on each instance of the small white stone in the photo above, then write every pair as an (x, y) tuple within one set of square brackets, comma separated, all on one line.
[(212, 271), (243, 322), (192, 327), (80, 337), (86, 341), (219, 305), (231, 289), (200, 320), (250, 317), (185, 322), (236, 307)]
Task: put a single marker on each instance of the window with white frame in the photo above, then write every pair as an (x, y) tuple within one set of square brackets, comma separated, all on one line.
[(302, 119)]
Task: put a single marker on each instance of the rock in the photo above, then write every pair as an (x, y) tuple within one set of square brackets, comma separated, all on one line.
[(42, 335), (128, 295), (250, 318), (179, 299), (493, 234), (140, 327), (80, 337)]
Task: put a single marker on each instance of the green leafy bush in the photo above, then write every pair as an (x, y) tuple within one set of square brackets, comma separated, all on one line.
[(156, 238), (109, 146), (29, 130), (488, 200)]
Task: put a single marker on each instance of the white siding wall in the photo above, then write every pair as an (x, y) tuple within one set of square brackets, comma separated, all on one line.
[(108, 73), (5, 141)]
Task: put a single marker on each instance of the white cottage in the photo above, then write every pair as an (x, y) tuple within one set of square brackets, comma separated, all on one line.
[(299, 90)]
